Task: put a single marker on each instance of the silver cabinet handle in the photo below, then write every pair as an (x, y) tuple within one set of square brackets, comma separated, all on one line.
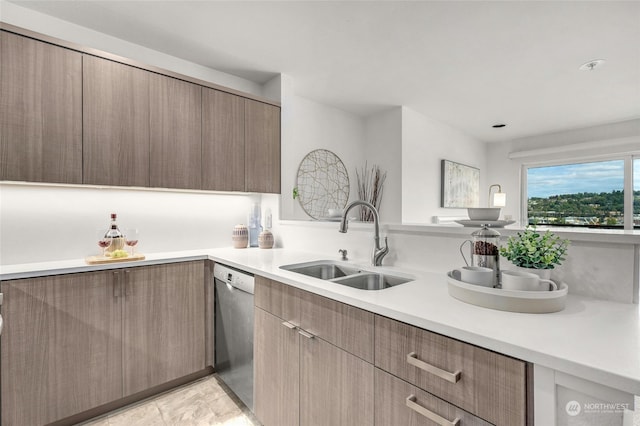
[(127, 284), (411, 403), (305, 334), (289, 325), (117, 283), (412, 359)]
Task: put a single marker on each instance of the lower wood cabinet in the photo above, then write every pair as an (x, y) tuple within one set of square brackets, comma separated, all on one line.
[(164, 329), (74, 342), (314, 365), (301, 378)]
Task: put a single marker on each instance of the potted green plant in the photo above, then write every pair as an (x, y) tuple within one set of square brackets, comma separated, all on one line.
[(535, 251)]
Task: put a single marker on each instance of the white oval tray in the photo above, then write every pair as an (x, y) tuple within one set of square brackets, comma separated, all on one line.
[(531, 302)]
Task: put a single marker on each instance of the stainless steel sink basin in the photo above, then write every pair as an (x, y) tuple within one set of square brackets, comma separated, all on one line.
[(347, 275), (325, 270), (371, 281)]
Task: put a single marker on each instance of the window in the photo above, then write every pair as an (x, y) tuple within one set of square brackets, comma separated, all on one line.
[(579, 194)]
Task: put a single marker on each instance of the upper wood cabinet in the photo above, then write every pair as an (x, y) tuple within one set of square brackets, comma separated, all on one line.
[(262, 147), (223, 144), (175, 127), (69, 117), (115, 123), (40, 111)]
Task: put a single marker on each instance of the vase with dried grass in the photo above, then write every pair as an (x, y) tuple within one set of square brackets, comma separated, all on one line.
[(370, 188)]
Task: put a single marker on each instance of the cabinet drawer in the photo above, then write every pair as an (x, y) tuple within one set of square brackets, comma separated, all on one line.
[(345, 326), (278, 299), (400, 403), (487, 384), (342, 325)]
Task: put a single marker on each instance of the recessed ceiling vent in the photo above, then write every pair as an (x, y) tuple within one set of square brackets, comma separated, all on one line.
[(591, 65)]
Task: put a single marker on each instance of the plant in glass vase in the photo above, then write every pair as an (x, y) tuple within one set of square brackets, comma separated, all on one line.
[(535, 251)]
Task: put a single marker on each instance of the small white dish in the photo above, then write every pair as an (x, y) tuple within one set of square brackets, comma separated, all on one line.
[(484, 213)]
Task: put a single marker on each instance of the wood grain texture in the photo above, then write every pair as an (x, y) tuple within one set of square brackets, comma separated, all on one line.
[(115, 123), (209, 313), (345, 326), (40, 111), (278, 299), (391, 408), (223, 141), (164, 332), (336, 388), (262, 147), (61, 347), (276, 371), (492, 386), (175, 133)]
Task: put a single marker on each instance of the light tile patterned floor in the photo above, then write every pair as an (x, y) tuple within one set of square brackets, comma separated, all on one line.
[(205, 402)]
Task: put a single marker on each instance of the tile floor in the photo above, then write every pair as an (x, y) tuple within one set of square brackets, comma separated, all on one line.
[(205, 402)]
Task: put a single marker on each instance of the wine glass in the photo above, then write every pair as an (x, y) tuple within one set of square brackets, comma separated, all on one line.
[(103, 241), (131, 238)]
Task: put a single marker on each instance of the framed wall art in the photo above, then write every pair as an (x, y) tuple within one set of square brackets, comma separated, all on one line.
[(460, 185)]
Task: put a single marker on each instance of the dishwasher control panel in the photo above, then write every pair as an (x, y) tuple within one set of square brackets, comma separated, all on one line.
[(240, 280)]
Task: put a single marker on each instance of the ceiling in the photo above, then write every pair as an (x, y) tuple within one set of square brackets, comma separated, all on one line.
[(469, 64)]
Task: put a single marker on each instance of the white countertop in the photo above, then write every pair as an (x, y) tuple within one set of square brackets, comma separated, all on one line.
[(593, 339)]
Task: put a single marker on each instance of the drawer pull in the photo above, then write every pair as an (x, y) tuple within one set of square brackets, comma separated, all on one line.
[(289, 325), (412, 359), (411, 403), (305, 334)]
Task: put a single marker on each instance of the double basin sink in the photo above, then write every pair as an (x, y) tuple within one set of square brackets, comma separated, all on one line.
[(348, 275)]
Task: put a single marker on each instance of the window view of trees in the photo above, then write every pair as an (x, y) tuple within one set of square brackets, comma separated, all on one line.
[(636, 193), (585, 194)]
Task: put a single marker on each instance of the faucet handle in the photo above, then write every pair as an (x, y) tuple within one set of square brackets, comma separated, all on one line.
[(343, 252)]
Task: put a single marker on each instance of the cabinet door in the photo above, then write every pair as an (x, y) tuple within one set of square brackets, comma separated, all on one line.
[(164, 337), (61, 346), (175, 128), (336, 388), (40, 111), (276, 371), (115, 123), (262, 147), (223, 143)]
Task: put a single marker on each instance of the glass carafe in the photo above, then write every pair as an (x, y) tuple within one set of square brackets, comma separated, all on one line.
[(484, 250)]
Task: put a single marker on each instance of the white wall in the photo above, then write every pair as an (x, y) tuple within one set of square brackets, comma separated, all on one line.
[(46, 223), (425, 142), (309, 125), (383, 147)]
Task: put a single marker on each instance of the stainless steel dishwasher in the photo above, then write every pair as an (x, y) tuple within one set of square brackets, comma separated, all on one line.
[(234, 330)]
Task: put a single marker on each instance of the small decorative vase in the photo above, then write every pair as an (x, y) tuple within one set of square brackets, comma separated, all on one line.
[(240, 236), (544, 274), (265, 239)]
